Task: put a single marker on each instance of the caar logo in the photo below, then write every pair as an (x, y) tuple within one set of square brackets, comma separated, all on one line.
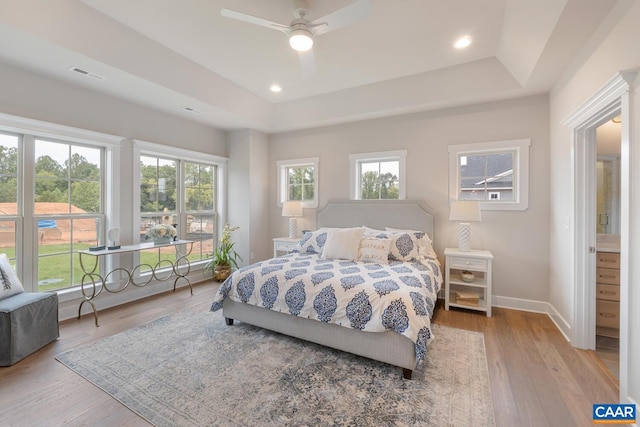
[(614, 414)]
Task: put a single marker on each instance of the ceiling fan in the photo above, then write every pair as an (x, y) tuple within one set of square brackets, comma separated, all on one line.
[(301, 31)]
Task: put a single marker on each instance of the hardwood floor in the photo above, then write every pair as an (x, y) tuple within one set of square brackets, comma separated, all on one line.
[(537, 378)]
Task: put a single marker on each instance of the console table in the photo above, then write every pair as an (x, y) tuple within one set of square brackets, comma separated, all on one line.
[(93, 283)]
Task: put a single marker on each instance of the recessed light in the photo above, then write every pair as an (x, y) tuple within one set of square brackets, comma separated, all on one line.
[(462, 42), (275, 88)]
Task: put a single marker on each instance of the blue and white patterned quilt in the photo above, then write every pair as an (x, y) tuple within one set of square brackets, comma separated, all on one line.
[(371, 297)]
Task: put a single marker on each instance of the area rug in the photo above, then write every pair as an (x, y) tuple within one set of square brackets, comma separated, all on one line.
[(190, 369)]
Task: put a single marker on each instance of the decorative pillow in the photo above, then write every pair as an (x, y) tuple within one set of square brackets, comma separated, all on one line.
[(404, 247), (9, 282), (312, 242), (424, 241), (343, 243), (374, 249)]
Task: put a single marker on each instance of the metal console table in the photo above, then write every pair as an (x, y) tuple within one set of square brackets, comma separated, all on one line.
[(93, 283)]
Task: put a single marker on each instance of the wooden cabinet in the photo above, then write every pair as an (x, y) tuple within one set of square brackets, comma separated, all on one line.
[(608, 294), (460, 291)]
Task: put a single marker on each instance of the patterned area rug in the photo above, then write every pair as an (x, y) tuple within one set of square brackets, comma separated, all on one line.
[(190, 369)]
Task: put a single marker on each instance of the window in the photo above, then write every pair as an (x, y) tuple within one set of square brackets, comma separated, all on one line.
[(494, 173), (298, 180), (378, 175), (68, 209), (52, 198), (178, 189)]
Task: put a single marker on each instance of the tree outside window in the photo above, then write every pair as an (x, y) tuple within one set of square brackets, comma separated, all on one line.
[(378, 176), (298, 180), (301, 183), (379, 180)]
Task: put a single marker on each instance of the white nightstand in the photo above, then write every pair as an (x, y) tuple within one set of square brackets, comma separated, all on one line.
[(284, 244), (474, 261)]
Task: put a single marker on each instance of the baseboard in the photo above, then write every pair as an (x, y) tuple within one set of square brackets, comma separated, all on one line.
[(536, 307)]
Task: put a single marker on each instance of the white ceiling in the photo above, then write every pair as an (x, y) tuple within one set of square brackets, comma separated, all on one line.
[(170, 54)]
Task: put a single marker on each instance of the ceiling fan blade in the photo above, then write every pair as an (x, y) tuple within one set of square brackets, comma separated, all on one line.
[(356, 11), (241, 16), (307, 63)]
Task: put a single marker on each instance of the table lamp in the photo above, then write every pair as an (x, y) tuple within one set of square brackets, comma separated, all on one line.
[(292, 209), (465, 211)]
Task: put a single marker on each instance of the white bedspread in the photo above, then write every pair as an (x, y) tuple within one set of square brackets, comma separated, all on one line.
[(371, 297)]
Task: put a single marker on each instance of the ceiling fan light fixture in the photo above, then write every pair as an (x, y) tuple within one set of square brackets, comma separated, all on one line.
[(301, 39)]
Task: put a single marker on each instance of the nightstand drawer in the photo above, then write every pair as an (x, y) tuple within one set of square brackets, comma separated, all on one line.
[(468, 264), (286, 246), (608, 292), (608, 314), (607, 276)]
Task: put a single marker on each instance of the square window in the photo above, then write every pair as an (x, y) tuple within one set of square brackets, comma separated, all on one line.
[(494, 173)]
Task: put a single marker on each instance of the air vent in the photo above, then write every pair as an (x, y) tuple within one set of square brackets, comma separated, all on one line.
[(191, 110), (86, 73)]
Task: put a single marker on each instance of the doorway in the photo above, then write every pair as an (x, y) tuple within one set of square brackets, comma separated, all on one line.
[(612, 100), (607, 282)]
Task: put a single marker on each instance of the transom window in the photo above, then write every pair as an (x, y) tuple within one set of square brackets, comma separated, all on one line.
[(298, 181), (494, 173), (378, 175)]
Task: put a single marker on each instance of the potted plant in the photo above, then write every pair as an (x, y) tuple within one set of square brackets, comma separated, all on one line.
[(224, 257), (161, 234)]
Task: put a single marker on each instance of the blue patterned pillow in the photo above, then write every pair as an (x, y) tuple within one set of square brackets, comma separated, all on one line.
[(312, 242), (404, 247), (425, 245)]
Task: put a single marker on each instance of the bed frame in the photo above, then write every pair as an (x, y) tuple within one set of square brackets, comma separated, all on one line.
[(389, 347)]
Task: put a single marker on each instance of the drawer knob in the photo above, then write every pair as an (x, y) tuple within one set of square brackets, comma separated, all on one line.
[(607, 315)]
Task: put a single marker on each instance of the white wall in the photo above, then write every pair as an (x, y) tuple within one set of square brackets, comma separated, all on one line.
[(519, 274), (618, 51), (247, 194)]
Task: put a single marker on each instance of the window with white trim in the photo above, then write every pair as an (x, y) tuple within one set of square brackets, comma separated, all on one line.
[(378, 175), (298, 180), (179, 188), (52, 198), (493, 173)]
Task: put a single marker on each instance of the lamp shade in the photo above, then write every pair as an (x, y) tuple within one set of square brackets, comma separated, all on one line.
[(465, 210), (292, 209)]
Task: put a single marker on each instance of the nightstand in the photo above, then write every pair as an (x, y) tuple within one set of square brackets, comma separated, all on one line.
[(284, 244), (474, 292)]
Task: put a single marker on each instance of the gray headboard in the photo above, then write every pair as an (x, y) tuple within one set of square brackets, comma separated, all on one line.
[(404, 214)]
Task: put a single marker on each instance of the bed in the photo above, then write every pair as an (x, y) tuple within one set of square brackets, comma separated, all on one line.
[(266, 294)]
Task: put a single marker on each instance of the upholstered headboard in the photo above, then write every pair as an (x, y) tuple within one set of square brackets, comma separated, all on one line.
[(404, 214)]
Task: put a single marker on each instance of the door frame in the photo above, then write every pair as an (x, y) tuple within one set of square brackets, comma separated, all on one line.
[(612, 99)]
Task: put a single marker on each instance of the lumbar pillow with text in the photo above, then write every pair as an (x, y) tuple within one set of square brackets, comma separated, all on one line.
[(374, 249), (9, 282)]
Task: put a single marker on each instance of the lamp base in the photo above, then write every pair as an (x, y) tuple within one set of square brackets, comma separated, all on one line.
[(464, 236), (293, 228)]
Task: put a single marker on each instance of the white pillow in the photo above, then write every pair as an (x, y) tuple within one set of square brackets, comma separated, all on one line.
[(9, 282), (342, 243), (374, 249)]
